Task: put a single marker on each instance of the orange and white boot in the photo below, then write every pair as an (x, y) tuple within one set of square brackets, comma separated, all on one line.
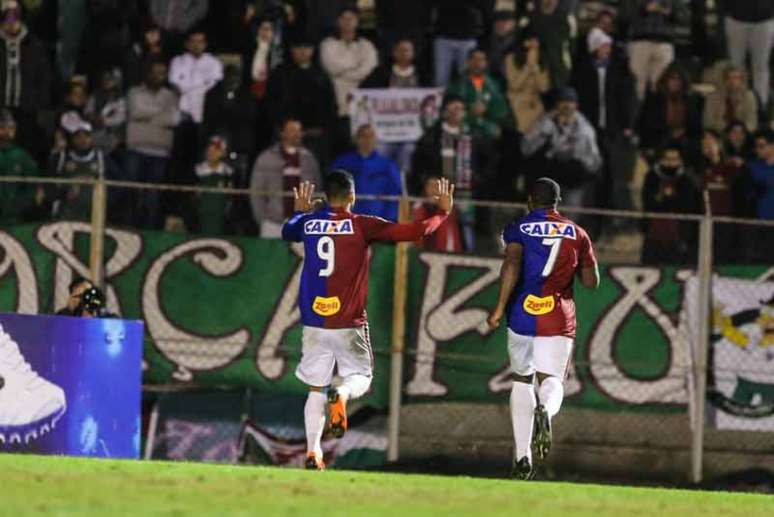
[(337, 411), (314, 462)]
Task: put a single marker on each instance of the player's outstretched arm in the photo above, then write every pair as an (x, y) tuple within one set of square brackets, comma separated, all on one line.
[(302, 204), (381, 230), (509, 276)]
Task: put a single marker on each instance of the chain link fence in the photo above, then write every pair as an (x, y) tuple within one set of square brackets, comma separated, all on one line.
[(630, 397)]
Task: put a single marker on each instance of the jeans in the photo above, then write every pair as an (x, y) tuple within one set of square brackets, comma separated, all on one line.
[(450, 52), (146, 169), (756, 38)]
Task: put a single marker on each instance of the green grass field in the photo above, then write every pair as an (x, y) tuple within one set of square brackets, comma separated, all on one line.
[(35, 485)]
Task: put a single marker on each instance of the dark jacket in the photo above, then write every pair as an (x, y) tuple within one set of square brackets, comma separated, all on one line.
[(652, 26), (306, 93), (750, 11), (231, 114), (620, 97), (554, 32), (462, 19), (380, 77), (35, 71), (652, 124)]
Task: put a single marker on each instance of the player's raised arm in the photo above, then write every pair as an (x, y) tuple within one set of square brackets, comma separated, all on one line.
[(302, 204), (381, 230), (509, 276)]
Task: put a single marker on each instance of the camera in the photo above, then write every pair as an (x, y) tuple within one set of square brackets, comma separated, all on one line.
[(92, 303)]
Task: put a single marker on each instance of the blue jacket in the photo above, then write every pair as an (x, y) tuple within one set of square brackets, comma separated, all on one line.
[(374, 175), (762, 175)]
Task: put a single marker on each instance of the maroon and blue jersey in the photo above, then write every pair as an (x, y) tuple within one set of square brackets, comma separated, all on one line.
[(334, 280), (553, 249)]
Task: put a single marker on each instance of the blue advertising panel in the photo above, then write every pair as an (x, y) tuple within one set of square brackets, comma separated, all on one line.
[(70, 385)]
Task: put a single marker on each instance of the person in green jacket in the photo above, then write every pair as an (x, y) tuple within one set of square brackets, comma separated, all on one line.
[(16, 199), (214, 209), (487, 109)]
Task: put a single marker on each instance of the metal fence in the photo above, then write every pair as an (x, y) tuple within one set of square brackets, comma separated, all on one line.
[(687, 304)]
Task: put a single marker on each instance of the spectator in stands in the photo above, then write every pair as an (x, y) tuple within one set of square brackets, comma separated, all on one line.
[(732, 100), (669, 188), (762, 177), (447, 236), (737, 143), (458, 25), (106, 110), (280, 168), (348, 60), (501, 41), (528, 80), (177, 18), (672, 112), (399, 19), (81, 159), (400, 73), (108, 36), (73, 106), (374, 174), (76, 288), (214, 208), (153, 114), (485, 104), (229, 112), (750, 29), (448, 149), (150, 48), (193, 73), (553, 28), (300, 89), (563, 142), (262, 54), (607, 99), (651, 28), (17, 200), (721, 179), (25, 77)]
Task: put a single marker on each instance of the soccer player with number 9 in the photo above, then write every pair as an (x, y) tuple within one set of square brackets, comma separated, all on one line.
[(544, 251), (332, 298)]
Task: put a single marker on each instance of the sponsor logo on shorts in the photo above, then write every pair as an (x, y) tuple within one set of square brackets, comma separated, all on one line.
[(549, 229), (325, 227), (326, 306), (536, 305)]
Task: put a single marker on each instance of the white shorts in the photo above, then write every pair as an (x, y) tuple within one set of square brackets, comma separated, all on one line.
[(544, 354), (323, 349)]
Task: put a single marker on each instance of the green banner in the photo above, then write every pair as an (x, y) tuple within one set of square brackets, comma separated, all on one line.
[(222, 312)]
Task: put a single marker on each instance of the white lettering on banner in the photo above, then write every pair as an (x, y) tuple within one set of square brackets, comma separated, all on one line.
[(636, 282), (60, 239), (444, 320), (269, 361), (396, 114), (219, 258), (15, 256)]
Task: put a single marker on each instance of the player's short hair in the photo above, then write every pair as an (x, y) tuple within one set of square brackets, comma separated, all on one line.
[(545, 192), (338, 184), (671, 145)]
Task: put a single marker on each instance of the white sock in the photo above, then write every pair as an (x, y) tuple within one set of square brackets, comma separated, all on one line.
[(354, 386), (314, 421), (522, 416), (551, 393)]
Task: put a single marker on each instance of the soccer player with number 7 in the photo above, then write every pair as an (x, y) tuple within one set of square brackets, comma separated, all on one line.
[(544, 251), (332, 297)]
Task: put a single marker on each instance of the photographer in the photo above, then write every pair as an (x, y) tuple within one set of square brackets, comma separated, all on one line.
[(86, 301)]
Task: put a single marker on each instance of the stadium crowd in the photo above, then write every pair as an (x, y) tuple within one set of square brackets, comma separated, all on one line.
[(255, 93)]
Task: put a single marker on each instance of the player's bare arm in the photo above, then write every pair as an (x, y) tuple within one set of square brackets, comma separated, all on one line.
[(589, 276), (445, 198), (509, 276)]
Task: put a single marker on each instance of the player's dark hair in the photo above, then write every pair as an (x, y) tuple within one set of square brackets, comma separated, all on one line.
[(545, 192), (338, 184), (671, 145)]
